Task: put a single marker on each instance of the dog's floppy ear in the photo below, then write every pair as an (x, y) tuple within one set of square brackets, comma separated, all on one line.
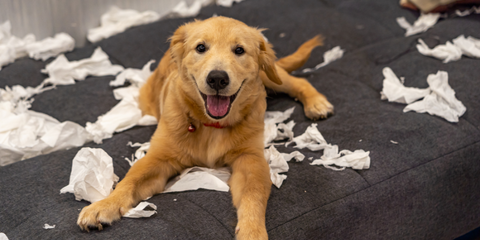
[(266, 59), (177, 42)]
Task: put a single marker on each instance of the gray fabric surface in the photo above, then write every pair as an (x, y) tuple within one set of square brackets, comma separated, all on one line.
[(426, 187)]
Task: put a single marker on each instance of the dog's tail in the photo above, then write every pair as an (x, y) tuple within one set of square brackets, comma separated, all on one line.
[(297, 59)]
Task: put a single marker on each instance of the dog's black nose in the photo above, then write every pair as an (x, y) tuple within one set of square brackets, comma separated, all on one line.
[(218, 79)]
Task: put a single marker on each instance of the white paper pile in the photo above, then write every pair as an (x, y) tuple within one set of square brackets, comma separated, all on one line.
[(63, 72), (313, 140), (328, 57), (452, 52), (439, 99), (25, 134), (117, 20), (422, 24), (92, 177), (12, 48), (126, 113), (282, 131), (199, 177), (48, 226)]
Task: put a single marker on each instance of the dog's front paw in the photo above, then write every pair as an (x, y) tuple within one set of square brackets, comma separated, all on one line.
[(251, 231), (105, 211), (318, 107)]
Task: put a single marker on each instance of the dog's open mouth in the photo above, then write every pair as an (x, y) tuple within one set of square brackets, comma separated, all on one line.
[(218, 106)]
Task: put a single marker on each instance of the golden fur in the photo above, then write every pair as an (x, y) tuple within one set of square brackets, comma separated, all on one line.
[(172, 95)]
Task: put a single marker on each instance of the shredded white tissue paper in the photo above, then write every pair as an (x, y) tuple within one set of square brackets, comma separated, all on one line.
[(441, 101), (140, 212), (126, 113), (282, 131), (92, 177), (452, 52), (395, 91), (48, 226), (117, 20), (359, 159), (63, 72), (12, 48), (51, 47), (277, 164), (467, 12), (313, 140), (3, 236), (328, 57), (140, 153), (199, 177), (227, 3), (422, 24)]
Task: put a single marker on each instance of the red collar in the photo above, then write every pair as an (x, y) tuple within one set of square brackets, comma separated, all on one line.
[(215, 125)]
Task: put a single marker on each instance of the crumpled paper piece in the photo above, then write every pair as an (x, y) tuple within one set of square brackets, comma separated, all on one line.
[(467, 12), (63, 72), (140, 212), (182, 10), (50, 47), (117, 20), (227, 3), (139, 153), (126, 113), (199, 177), (441, 101), (3, 236), (282, 131), (328, 57), (25, 134), (12, 48), (452, 52), (422, 24), (395, 91), (48, 226), (313, 140), (92, 177), (359, 159)]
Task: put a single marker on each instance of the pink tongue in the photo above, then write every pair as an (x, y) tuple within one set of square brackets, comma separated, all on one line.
[(217, 105)]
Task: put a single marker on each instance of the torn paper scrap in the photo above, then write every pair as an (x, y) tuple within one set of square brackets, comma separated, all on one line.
[(199, 177), (467, 12), (311, 139), (63, 72), (469, 46), (139, 153), (298, 156), (395, 91), (182, 10), (441, 101), (277, 164), (271, 131), (140, 212), (447, 52), (48, 226), (422, 24), (359, 159), (137, 77), (50, 47), (394, 142), (3, 236), (328, 57), (117, 20), (92, 177), (12, 47), (227, 3)]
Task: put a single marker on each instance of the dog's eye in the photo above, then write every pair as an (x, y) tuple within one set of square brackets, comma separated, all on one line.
[(239, 51), (201, 48)]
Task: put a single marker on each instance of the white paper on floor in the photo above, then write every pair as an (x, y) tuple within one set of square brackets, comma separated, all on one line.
[(281, 131), (48, 226), (328, 57), (452, 52), (139, 153), (63, 72), (12, 48), (422, 24), (117, 20), (277, 164), (467, 12), (140, 212), (3, 236), (92, 177), (395, 91), (441, 101), (126, 113), (199, 177)]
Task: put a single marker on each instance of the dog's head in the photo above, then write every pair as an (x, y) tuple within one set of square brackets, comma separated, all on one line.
[(219, 60)]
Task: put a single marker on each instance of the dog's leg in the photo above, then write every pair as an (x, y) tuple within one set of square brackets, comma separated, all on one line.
[(146, 178), (314, 103), (250, 186)]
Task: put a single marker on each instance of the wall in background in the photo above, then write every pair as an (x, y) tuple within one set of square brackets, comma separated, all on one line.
[(45, 18)]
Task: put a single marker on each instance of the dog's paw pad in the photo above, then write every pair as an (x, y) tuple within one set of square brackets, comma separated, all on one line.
[(318, 108)]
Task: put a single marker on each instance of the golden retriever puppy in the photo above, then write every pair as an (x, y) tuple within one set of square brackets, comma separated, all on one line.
[(208, 94)]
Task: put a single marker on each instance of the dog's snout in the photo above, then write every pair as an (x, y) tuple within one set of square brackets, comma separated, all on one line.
[(218, 79)]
